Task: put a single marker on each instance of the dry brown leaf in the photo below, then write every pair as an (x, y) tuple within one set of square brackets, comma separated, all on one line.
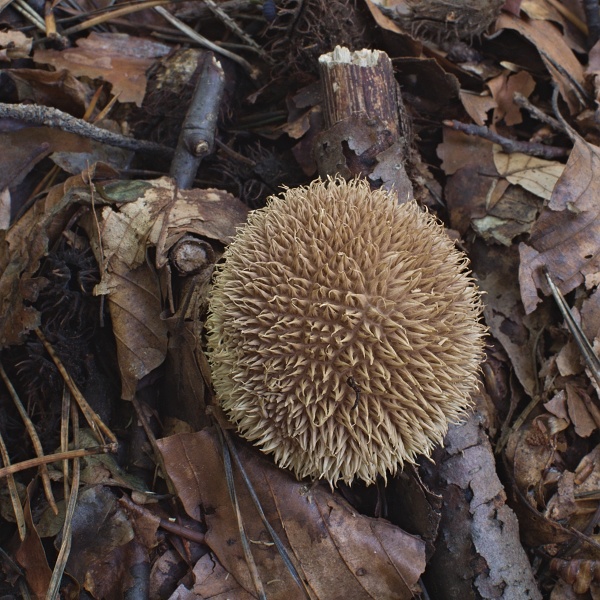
[(118, 58), (14, 44), (569, 360), (578, 413), (536, 175), (593, 69), (507, 216), (566, 236), (559, 59), (477, 106), (544, 10), (503, 88), (213, 582), (59, 89), (461, 150), (104, 545), (562, 504), (478, 197), (29, 146), (558, 405), (496, 268), (531, 451), (151, 215), (340, 553), (31, 554)]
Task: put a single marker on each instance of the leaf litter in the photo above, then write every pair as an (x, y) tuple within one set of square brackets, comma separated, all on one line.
[(88, 257)]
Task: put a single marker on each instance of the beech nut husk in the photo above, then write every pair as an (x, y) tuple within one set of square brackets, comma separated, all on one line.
[(344, 332)]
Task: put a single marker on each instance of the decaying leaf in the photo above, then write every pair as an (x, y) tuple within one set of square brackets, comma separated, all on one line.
[(115, 57), (503, 87), (558, 58), (22, 248), (340, 553), (150, 215), (536, 175), (566, 237)]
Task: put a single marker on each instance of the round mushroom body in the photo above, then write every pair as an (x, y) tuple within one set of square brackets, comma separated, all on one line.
[(344, 331)]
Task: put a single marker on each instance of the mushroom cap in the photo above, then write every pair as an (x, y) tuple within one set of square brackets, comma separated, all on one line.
[(344, 331)]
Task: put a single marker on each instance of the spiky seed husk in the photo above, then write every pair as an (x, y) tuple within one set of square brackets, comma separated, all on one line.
[(344, 331)]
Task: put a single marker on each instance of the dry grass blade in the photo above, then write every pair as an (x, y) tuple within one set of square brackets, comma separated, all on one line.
[(65, 547), (33, 436), (194, 35), (14, 494), (276, 540), (256, 580), (22, 7), (113, 14), (589, 356)]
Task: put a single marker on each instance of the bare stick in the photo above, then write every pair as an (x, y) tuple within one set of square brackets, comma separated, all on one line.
[(59, 456), (509, 146), (524, 103), (197, 137), (52, 117)]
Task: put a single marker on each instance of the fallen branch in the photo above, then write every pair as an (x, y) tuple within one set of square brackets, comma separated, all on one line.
[(509, 146), (34, 114)]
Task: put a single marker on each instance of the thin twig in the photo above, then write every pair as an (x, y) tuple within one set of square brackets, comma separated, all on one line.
[(33, 436), (184, 532), (509, 146), (524, 103), (52, 458), (566, 127), (94, 421), (200, 39), (235, 28), (197, 136)]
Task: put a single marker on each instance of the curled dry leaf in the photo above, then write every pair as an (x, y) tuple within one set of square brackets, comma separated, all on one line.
[(558, 58), (149, 215), (340, 553)]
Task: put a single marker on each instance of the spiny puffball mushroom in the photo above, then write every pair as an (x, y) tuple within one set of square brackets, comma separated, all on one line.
[(344, 331)]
